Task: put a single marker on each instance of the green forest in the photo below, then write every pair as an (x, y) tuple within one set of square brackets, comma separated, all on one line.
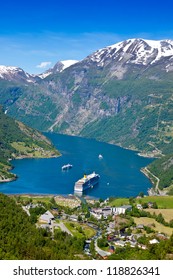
[(20, 239), (163, 169)]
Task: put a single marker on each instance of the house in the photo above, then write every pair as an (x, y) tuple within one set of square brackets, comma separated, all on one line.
[(120, 243), (98, 213), (111, 249), (73, 218), (153, 241), (122, 209), (106, 211), (110, 238), (161, 236), (47, 217), (139, 207), (150, 204), (140, 226)]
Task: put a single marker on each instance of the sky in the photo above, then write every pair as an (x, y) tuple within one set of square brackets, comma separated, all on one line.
[(34, 35)]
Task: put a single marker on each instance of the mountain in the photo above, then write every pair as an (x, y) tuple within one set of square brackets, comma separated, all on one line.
[(15, 74), (58, 67), (134, 51), (19, 141), (121, 94)]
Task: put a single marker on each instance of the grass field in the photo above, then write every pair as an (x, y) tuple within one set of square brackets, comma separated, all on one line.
[(119, 202), (35, 199), (74, 227), (60, 200), (166, 213), (163, 202), (158, 227)]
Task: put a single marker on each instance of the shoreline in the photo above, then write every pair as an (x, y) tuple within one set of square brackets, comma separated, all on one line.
[(153, 190), (7, 180), (141, 154)]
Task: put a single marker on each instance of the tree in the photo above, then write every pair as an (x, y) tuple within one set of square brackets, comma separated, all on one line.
[(102, 242), (92, 248), (79, 218), (160, 219), (155, 205), (131, 200), (141, 194)]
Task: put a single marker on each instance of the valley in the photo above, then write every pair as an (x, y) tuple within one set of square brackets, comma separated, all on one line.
[(121, 94)]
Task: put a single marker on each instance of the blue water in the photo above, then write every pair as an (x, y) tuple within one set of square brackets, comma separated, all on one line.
[(119, 170)]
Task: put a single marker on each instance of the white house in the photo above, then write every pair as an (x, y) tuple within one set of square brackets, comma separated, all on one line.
[(139, 207), (153, 241), (121, 209)]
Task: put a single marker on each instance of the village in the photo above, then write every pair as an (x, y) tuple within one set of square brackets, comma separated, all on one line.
[(104, 227)]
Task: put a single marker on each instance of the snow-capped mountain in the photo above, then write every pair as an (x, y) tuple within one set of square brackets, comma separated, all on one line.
[(135, 51), (120, 94), (59, 67), (16, 74)]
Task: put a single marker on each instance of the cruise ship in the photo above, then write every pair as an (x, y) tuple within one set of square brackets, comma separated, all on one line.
[(88, 181)]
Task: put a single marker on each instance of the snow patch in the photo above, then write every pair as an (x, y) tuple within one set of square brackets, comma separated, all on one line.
[(140, 51), (68, 63)]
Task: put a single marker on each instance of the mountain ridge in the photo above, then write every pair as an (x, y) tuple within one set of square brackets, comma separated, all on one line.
[(117, 94), (121, 94)]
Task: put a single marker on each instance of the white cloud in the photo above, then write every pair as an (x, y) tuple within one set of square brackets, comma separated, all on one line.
[(44, 64)]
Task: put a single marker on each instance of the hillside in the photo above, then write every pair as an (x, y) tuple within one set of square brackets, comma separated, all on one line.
[(19, 141), (163, 169), (21, 240)]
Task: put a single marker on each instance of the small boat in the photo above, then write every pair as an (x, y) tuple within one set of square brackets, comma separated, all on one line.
[(67, 166), (100, 156)]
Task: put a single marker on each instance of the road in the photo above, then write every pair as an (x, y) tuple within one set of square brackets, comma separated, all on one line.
[(156, 190), (101, 252), (62, 227)]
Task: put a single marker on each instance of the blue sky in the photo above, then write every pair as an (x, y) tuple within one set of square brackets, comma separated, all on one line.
[(38, 31)]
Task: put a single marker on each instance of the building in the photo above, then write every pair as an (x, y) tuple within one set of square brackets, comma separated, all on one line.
[(121, 209), (47, 217), (111, 249), (98, 213), (139, 207), (153, 241), (73, 218)]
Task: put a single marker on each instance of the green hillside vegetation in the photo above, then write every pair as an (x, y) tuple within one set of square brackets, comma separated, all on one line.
[(162, 202), (163, 169), (19, 141), (21, 240), (161, 251)]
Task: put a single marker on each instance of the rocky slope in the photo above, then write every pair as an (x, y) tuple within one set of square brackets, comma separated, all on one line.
[(15, 74), (121, 94), (58, 67)]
